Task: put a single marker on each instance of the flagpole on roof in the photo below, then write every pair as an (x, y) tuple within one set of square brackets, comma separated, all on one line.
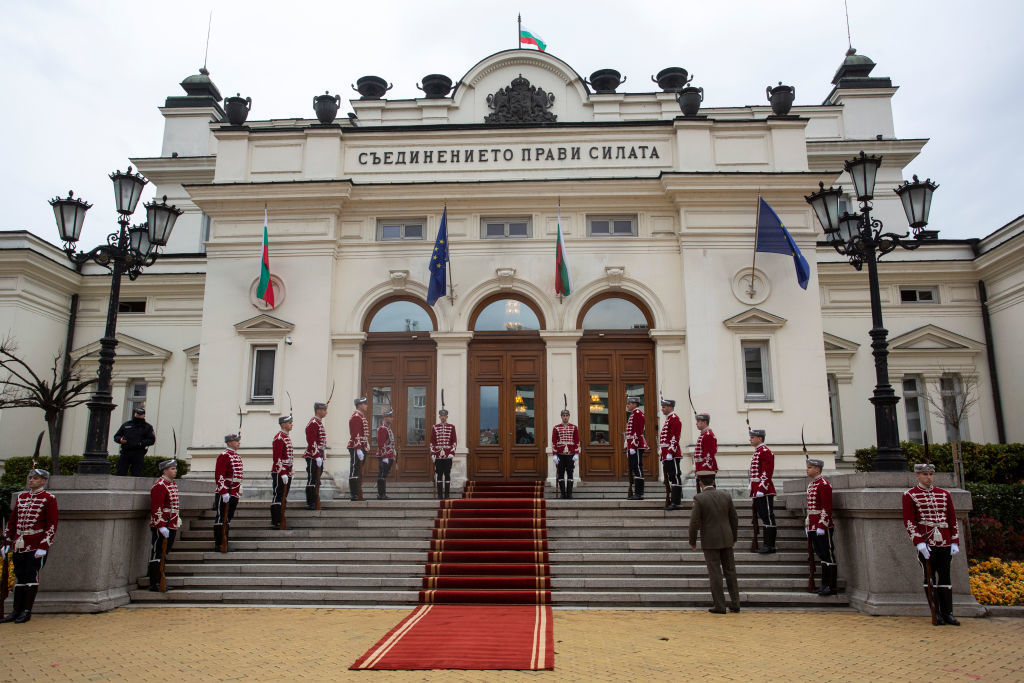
[(757, 222), (560, 235), (519, 31), (448, 255)]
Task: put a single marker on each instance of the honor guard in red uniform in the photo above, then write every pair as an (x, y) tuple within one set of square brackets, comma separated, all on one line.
[(358, 444), (635, 445), (762, 490), (443, 441), (819, 527), (930, 519), (228, 475), (670, 452), (281, 469), (316, 451), (164, 517), (29, 533), (386, 453), (706, 448), (565, 446)]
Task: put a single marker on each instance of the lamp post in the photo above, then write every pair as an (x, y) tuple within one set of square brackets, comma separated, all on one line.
[(859, 237), (128, 250)]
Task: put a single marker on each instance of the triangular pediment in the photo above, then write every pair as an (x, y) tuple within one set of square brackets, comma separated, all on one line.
[(836, 344), (127, 348), (264, 324), (192, 352), (933, 338), (754, 318)]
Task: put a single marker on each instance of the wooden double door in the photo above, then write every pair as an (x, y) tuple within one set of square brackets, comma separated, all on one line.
[(612, 367), (400, 375), (506, 435)]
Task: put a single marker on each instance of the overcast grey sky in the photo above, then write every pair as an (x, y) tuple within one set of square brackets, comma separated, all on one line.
[(83, 80)]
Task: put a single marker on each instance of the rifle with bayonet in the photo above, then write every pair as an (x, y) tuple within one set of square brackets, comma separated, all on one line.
[(753, 506), (811, 563)]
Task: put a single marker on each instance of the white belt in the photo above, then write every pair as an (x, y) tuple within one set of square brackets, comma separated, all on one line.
[(941, 525), (20, 542)]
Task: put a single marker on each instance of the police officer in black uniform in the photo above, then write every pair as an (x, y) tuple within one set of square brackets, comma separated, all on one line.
[(135, 436)]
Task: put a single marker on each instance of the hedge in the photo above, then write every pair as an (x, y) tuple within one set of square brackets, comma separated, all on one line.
[(16, 469), (983, 462)]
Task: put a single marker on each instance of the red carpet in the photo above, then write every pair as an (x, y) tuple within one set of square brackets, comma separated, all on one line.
[(486, 598)]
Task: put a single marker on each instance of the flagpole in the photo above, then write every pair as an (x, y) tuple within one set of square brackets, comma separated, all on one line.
[(559, 245), (447, 257), (519, 30), (757, 222)]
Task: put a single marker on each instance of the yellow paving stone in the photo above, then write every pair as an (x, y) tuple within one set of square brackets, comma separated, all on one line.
[(264, 644)]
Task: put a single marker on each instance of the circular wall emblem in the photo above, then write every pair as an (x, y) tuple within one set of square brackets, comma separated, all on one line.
[(750, 286), (279, 294)]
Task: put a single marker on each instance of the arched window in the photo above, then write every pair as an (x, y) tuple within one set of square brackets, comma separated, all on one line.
[(506, 315), (615, 313), (400, 315)]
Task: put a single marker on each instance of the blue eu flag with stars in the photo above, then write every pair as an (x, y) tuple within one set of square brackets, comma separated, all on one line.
[(439, 263), (772, 237)]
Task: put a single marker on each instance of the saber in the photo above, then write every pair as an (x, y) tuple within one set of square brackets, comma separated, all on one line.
[(163, 563), (929, 590), (5, 579), (331, 395), (690, 397), (224, 526), (35, 455), (753, 502)]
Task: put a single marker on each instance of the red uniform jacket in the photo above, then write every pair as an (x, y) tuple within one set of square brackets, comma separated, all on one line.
[(358, 431), (565, 439), (819, 505), (385, 442), (929, 516), (316, 439), (284, 456), (668, 439), (33, 521), (443, 440), (762, 465), (704, 452), (635, 439), (163, 504), (228, 473)]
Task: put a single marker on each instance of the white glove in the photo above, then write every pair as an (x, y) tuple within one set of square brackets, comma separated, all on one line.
[(40, 553), (820, 531), (359, 452), (632, 451), (576, 457), (3, 551), (225, 497), (320, 462), (433, 458), (922, 548), (759, 494), (668, 457), (284, 479), (954, 549), (164, 532)]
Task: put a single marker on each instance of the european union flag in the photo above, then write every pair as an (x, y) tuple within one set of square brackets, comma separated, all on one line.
[(772, 237), (439, 263)]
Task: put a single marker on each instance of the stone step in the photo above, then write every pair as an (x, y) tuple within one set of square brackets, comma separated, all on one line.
[(306, 545), (692, 598), (322, 557)]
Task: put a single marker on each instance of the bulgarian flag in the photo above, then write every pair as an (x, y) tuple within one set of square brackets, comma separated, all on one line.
[(531, 38), (563, 281), (265, 290)]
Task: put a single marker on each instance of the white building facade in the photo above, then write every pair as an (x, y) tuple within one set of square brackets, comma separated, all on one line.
[(658, 213)]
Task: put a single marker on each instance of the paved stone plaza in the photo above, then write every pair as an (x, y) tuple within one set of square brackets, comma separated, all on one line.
[(185, 644)]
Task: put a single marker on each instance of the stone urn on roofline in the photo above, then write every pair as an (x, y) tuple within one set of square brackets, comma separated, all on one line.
[(326, 107), (672, 79), (781, 98), (435, 86), (237, 109), (605, 81), (371, 87)]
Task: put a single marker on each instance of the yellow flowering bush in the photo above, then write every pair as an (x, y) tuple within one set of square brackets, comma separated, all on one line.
[(994, 582)]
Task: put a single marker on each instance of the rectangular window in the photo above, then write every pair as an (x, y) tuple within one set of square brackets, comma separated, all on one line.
[(756, 371), (263, 358), (506, 228), (399, 230), (611, 226), (953, 407), (833, 407), (914, 403), (136, 398), (599, 431), (131, 306), (919, 295)]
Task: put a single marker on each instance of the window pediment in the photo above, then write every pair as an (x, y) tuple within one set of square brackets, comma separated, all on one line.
[(264, 326), (754, 319), (934, 338), (127, 348)]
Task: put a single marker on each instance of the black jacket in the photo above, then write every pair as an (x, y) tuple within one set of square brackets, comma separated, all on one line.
[(138, 434)]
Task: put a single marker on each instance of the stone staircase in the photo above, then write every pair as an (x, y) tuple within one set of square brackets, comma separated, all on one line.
[(605, 552)]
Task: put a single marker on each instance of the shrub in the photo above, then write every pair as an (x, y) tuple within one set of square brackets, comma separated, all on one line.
[(995, 582), (16, 469), (984, 462)]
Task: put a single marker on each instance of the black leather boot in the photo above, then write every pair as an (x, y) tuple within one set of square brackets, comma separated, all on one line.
[(945, 596), (382, 490), (26, 609), (561, 488), (154, 575), (216, 535), (440, 491), (447, 489), (310, 497), (568, 489), (639, 488), (828, 579), (275, 516), (353, 492), (770, 533), (16, 608)]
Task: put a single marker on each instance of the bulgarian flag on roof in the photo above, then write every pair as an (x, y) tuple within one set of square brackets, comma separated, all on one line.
[(530, 38), (563, 281), (265, 290)]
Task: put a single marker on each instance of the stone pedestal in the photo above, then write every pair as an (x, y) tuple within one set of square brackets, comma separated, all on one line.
[(102, 543), (876, 559)]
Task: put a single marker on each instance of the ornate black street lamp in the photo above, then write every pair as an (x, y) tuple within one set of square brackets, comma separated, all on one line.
[(859, 237), (128, 250)]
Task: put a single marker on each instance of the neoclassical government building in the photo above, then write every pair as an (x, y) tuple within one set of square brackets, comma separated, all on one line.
[(658, 213)]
